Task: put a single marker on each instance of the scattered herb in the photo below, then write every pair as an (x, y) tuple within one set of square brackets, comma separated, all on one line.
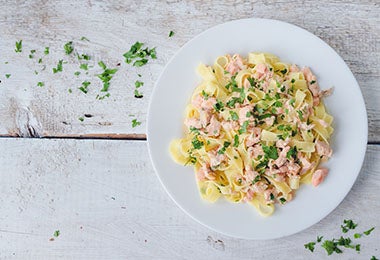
[(68, 47), (284, 71), (70, 90), (347, 225), (138, 94), (369, 231), (236, 141), (282, 200), (57, 233), (310, 246), (81, 119), (40, 84), (312, 82), (138, 83), (270, 152), (84, 86), (106, 76), (196, 143), (40, 60), (77, 73), (171, 33), (84, 39), (292, 153), (47, 50), (219, 106), (135, 123), (243, 128), (234, 116), (223, 149), (18, 46), (7, 76), (59, 67), (139, 55), (319, 239)]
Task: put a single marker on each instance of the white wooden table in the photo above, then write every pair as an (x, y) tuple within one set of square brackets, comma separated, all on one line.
[(86, 179)]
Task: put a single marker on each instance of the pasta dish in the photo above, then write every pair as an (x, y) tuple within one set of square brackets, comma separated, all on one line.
[(256, 128)]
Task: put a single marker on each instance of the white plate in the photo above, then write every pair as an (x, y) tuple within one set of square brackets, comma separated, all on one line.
[(293, 45)]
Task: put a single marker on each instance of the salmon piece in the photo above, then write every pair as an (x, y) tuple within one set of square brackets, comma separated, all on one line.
[(230, 125), (193, 122), (282, 143), (213, 129), (253, 138), (294, 68), (215, 158), (235, 64), (208, 104), (323, 149), (269, 120), (204, 118), (243, 114), (197, 101), (281, 160), (318, 176), (255, 151), (293, 168)]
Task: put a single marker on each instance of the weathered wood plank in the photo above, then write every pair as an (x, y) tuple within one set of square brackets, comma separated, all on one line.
[(352, 28), (106, 201)]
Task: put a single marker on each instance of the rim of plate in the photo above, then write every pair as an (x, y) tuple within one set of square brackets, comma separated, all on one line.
[(360, 154)]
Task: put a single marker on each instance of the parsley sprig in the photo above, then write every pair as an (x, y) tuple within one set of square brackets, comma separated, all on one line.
[(139, 55)]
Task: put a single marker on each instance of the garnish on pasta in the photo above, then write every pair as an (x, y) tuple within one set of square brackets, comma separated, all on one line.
[(255, 129)]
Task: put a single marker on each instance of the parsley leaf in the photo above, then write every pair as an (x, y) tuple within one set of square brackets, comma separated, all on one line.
[(135, 123), (369, 231), (223, 149), (292, 153), (18, 46), (138, 83), (347, 225), (57, 233), (138, 94), (236, 141), (7, 76), (196, 143), (310, 246), (59, 67), (270, 152), (40, 84), (234, 116), (106, 76), (243, 128), (68, 47), (47, 50), (171, 33)]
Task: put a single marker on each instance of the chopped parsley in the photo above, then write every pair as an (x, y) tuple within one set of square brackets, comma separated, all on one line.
[(300, 114), (40, 60), (59, 67), (293, 80), (31, 56), (270, 152), (7, 76), (312, 82), (196, 143), (47, 50), (368, 231), (84, 57), (284, 71), (18, 46), (77, 73), (135, 123), (81, 119), (171, 34), (84, 39), (139, 55), (219, 106), (256, 179), (271, 196), (223, 149), (83, 66), (278, 104), (319, 239), (205, 95), (310, 246), (243, 128), (57, 233), (84, 86), (138, 94), (106, 76), (236, 141), (292, 153), (40, 84), (234, 116), (138, 83), (68, 47), (282, 200), (347, 225), (330, 246)]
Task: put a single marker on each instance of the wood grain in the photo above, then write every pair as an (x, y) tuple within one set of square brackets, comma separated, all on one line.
[(351, 28), (106, 201)]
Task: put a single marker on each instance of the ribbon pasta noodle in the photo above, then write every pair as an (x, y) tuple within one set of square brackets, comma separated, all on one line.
[(256, 128)]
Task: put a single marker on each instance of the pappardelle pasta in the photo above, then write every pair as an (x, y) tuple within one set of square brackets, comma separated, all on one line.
[(256, 128)]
